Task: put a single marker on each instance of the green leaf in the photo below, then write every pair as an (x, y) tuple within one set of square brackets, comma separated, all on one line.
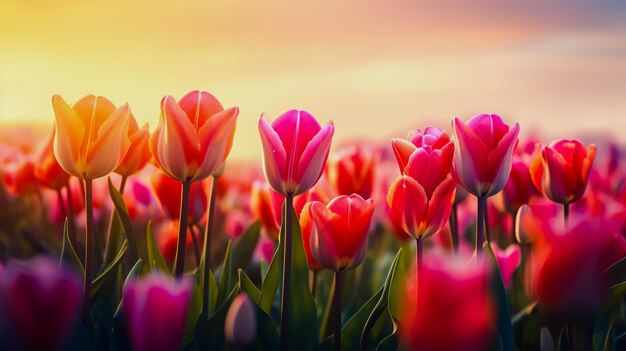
[(395, 283), (244, 246), (122, 214), (155, 259), (616, 272), (266, 330), (604, 333), (247, 286), (108, 273), (504, 325), (213, 331), (272, 279), (225, 277), (68, 254)]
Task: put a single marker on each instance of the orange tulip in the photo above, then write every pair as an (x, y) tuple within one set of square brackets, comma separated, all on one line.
[(91, 136), (194, 136), (139, 152)]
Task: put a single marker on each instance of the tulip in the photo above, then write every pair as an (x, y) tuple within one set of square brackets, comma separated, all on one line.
[(508, 261), (191, 142), (561, 171), (482, 159), (194, 136), (266, 204), (19, 178), (431, 136), (39, 303), (306, 226), (240, 324), (339, 240), (519, 188), (351, 171), (155, 308), (295, 149), (91, 141), (566, 271), (450, 308), (138, 153), (168, 194), (166, 235), (48, 171)]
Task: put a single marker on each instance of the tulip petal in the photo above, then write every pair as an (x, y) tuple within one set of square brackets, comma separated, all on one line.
[(440, 206), (274, 156), (69, 136), (179, 126), (216, 140), (311, 164), (500, 159), (402, 149), (199, 107), (107, 151), (408, 203), (93, 112), (470, 158)]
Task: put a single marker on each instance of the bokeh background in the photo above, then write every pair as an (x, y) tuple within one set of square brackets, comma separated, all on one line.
[(376, 68)]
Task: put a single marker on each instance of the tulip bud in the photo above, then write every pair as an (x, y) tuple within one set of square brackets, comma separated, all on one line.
[(240, 324), (295, 149)]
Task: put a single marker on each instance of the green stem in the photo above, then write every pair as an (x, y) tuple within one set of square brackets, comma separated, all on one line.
[(208, 235), (89, 240), (337, 311), (179, 263), (284, 314), (70, 216), (313, 283)]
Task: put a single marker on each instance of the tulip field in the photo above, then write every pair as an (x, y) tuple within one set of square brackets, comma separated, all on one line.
[(465, 236)]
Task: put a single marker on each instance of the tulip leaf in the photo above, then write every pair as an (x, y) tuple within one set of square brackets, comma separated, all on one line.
[(155, 259), (395, 284), (68, 253), (351, 331), (119, 339), (115, 239), (244, 246), (616, 272), (122, 213), (109, 272), (504, 324), (215, 327), (225, 276), (246, 285), (271, 280), (266, 330), (604, 333)]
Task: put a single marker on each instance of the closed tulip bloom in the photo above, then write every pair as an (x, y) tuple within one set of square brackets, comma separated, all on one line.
[(340, 231), (306, 226), (167, 191), (421, 201), (508, 261), (484, 148), (433, 137), (519, 188), (266, 205), (295, 149), (567, 265), (194, 136), (39, 302), (48, 171), (351, 171), (139, 151), (155, 308), (91, 136), (240, 324), (454, 309), (561, 171)]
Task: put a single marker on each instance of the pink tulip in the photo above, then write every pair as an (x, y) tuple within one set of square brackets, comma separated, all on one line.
[(431, 136), (561, 171), (39, 303), (295, 149), (240, 324), (340, 231), (194, 136), (155, 308), (483, 152), (508, 261)]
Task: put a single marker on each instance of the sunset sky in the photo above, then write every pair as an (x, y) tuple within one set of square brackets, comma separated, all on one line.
[(376, 68)]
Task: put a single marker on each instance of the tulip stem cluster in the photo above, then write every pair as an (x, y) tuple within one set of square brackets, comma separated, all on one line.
[(337, 311), (208, 235), (179, 263), (284, 315)]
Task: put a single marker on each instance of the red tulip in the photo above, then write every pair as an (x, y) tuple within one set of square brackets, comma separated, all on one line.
[(431, 136), (561, 171), (155, 308), (168, 192), (48, 171), (194, 136), (306, 226), (453, 311), (266, 205), (167, 237), (483, 152), (567, 265), (351, 171), (421, 202), (340, 231), (138, 153), (519, 188), (295, 149), (19, 178), (39, 303)]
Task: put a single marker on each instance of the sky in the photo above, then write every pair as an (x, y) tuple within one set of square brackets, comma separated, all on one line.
[(375, 68)]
